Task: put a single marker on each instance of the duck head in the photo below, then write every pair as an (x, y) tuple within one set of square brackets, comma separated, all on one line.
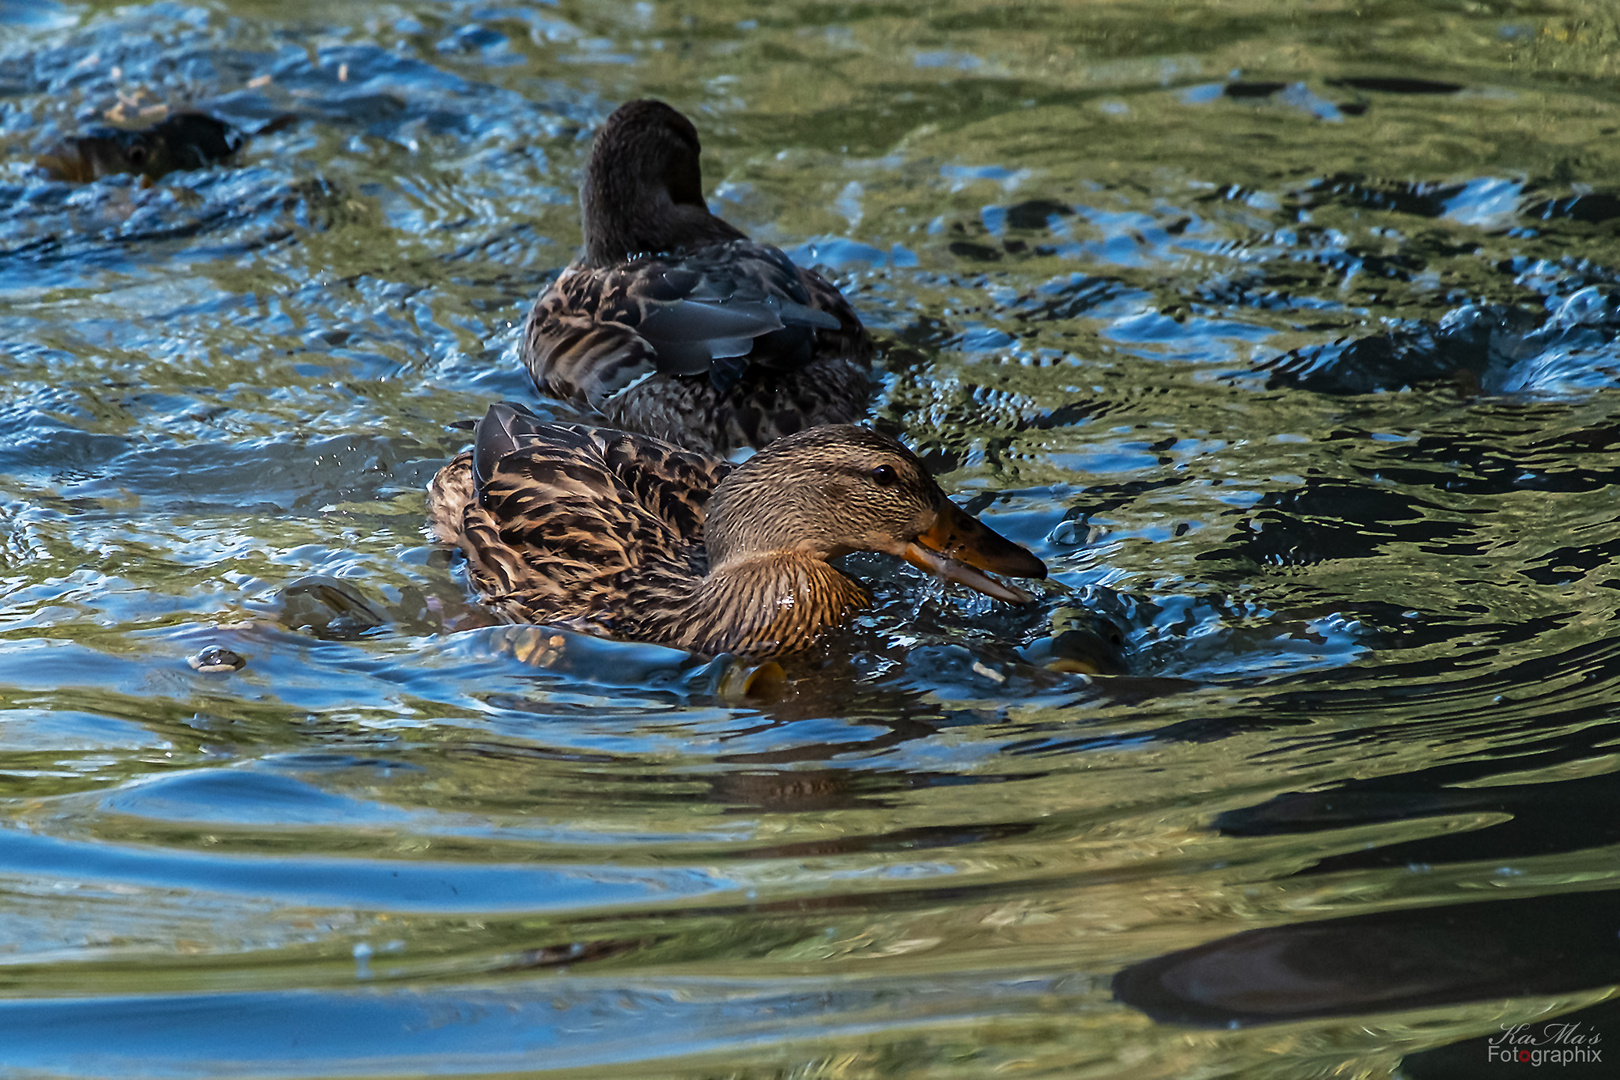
[(828, 491), (643, 188), (181, 140)]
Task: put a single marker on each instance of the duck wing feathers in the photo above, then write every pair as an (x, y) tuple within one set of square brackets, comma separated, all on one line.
[(714, 310), (568, 524)]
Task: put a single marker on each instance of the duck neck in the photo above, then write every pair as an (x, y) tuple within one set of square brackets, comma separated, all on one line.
[(623, 221), (769, 603)]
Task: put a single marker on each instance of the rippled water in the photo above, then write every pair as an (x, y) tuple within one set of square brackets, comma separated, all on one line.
[(1287, 336)]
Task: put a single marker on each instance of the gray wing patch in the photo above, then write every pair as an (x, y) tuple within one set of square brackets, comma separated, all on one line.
[(690, 333)]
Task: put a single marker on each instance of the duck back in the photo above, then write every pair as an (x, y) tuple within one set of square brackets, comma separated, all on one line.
[(707, 348), (574, 525)]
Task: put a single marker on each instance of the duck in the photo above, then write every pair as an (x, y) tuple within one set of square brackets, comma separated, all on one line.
[(621, 535), (673, 323), (180, 140)]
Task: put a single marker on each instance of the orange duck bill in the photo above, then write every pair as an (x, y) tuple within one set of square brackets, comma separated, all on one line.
[(958, 546)]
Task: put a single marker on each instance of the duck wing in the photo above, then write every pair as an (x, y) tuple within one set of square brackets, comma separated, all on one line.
[(569, 524), (712, 311), (850, 340)]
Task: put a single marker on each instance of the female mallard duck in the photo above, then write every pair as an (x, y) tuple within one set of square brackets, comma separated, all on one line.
[(675, 324), (626, 536)]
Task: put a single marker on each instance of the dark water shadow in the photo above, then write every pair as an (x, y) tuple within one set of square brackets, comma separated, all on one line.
[(1384, 962)]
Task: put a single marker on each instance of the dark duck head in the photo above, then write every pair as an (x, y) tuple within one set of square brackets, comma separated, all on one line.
[(643, 188)]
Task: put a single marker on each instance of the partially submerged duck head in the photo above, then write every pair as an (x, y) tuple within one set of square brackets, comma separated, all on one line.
[(832, 490), (643, 188), (182, 140)]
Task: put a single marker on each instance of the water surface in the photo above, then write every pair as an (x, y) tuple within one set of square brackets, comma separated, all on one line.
[(1286, 336)]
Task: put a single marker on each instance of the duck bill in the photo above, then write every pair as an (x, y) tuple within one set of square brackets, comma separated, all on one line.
[(66, 163), (959, 547)]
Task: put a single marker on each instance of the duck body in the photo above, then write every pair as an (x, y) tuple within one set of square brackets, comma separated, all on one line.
[(625, 536), (673, 323)]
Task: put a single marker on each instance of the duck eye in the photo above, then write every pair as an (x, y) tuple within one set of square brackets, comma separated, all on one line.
[(884, 475)]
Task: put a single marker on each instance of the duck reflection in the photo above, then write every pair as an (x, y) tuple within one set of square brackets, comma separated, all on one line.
[(1384, 962)]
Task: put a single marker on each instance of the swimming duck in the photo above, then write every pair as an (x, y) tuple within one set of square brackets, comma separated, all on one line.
[(181, 140), (673, 323), (626, 536)]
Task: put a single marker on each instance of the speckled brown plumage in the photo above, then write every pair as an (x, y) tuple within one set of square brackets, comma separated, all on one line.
[(626, 536), (673, 323)]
